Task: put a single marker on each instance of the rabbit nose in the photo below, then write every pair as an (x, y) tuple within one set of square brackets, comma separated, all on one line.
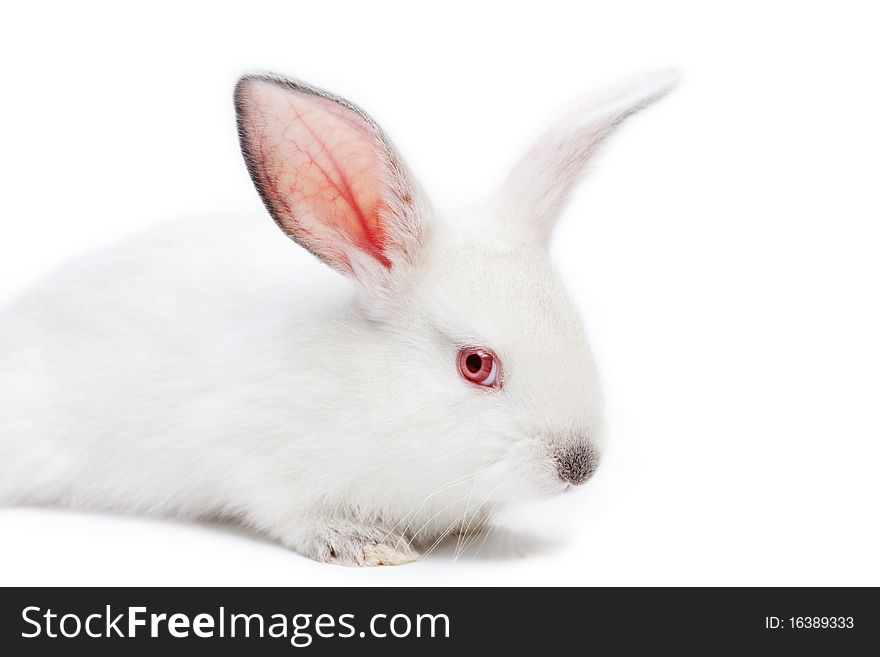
[(576, 463)]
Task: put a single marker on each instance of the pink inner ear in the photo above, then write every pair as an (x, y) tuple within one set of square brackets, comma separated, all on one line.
[(317, 164)]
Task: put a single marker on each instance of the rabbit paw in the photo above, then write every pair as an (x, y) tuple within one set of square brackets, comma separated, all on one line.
[(384, 554), (350, 544)]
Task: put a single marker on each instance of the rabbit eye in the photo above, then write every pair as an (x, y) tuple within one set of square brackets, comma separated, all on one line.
[(480, 366)]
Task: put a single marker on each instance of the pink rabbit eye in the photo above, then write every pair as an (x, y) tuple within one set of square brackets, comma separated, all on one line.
[(480, 367)]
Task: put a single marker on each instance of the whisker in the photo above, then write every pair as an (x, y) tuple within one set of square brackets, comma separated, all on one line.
[(491, 527), (455, 522), (443, 535), (429, 520), (473, 538), (420, 505), (460, 534), (413, 514), (477, 508), (463, 535)]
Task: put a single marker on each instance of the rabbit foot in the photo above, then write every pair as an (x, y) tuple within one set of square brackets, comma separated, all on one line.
[(350, 544), (382, 554)]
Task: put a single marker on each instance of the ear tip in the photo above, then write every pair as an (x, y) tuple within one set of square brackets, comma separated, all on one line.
[(244, 87), (249, 82), (252, 78), (668, 78), (638, 92), (660, 82)]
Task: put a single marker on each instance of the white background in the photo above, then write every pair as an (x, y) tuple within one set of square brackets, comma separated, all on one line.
[(724, 251)]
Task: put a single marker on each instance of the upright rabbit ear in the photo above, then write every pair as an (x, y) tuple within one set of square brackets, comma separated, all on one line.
[(328, 175), (539, 186)]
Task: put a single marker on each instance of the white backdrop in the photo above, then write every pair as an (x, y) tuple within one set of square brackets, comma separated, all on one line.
[(724, 251)]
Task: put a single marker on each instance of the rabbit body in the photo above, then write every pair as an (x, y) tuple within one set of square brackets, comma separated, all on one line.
[(258, 401), (206, 369)]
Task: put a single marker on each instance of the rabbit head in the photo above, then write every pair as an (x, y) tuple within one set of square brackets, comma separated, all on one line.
[(476, 347)]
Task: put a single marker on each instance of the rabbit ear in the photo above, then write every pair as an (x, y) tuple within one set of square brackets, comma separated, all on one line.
[(539, 186), (328, 175)]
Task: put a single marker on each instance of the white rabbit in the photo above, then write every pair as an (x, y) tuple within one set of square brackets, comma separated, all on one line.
[(203, 369)]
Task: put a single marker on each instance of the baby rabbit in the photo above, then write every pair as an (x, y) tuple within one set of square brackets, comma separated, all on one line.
[(355, 415)]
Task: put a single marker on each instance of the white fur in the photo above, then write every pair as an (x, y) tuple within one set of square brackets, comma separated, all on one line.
[(210, 368)]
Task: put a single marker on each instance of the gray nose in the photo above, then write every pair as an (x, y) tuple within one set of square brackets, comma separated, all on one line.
[(576, 463)]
